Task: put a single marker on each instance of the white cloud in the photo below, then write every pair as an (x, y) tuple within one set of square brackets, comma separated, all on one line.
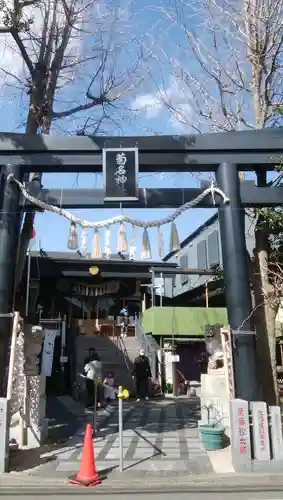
[(151, 104), (175, 98)]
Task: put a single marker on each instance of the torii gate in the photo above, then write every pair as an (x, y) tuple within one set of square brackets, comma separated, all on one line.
[(224, 153)]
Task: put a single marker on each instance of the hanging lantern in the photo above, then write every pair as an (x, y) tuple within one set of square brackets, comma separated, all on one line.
[(146, 250), (93, 270), (73, 237)]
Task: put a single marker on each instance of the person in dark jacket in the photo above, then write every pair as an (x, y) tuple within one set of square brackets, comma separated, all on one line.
[(141, 375), (92, 356)]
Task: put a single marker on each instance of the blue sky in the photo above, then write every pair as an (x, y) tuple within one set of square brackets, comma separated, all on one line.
[(151, 31)]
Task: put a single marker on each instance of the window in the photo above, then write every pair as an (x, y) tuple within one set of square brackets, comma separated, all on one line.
[(202, 255), (184, 264), (213, 250)]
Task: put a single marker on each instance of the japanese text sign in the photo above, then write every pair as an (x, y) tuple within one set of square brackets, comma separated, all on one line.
[(120, 167)]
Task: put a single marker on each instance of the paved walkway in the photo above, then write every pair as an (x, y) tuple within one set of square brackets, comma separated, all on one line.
[(159, 437)]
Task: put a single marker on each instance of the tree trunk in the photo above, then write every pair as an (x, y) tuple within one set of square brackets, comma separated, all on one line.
[(27, 229), (266, 307), (264, 317)]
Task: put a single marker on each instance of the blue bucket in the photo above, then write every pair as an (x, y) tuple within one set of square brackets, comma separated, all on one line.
[(212, 436)]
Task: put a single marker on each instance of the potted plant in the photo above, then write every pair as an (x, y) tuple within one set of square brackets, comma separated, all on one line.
[(212, 433)]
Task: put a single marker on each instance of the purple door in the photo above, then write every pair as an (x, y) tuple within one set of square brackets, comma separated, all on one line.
[(189, 354)]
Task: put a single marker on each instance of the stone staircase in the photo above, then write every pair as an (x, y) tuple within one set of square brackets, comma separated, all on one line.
[(132, 347), (116, 355)]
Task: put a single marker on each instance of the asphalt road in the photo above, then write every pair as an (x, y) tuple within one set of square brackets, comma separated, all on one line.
[(89, 493)]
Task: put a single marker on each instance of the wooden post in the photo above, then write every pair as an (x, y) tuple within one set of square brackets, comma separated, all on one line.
[(281, 353), (144, 302), (12, 355), (206, 295)]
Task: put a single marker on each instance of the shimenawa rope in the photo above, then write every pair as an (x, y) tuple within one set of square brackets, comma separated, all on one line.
[(119, 218)]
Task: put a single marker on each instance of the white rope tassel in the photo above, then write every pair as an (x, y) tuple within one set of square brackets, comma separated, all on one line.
[(174, 239), (119, 218), (107, 250), (73, 242), (146, 250), (160, 243), (84, 244), (96, 246), (133, 247)]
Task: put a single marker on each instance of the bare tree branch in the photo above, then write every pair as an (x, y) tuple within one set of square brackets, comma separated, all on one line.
[(228, 60), (82, 107), (74, 54), (22, 49), (225, 67)]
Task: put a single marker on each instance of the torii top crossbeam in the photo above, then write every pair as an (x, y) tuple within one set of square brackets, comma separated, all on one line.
[(175, 153)]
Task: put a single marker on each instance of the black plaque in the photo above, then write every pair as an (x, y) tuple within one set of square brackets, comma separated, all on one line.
[(120, 168)]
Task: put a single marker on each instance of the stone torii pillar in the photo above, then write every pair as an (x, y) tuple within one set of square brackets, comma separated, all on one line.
[(237, 285)]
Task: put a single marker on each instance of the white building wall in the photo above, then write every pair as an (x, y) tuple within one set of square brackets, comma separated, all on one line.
[(188, 257)]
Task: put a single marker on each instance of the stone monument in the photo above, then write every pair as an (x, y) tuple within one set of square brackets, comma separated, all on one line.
[(28, 424), (214, 384)]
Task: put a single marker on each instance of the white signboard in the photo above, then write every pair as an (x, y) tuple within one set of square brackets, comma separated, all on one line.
[(240, 435), (276, 432), (173, 358), (260, 431), (168, 368), (48, 351)]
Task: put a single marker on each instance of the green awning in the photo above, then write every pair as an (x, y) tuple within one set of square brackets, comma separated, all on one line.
[(182, 321)]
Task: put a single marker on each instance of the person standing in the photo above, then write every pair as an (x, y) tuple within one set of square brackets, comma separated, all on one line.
[(124, 322), (142, 375), (90, 375)]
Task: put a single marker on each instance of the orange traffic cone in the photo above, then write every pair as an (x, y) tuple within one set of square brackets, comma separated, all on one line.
[(87, 475)]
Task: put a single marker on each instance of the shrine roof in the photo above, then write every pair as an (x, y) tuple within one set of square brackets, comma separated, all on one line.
[(72, 264)]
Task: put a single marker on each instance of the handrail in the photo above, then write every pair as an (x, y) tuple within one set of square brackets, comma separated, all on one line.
[(182, 375), (124, 352), (141, 336), (146, 345)]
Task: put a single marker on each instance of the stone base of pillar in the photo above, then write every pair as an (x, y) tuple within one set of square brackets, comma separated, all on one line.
[(215, 399), (4, 435), (36, 423)]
